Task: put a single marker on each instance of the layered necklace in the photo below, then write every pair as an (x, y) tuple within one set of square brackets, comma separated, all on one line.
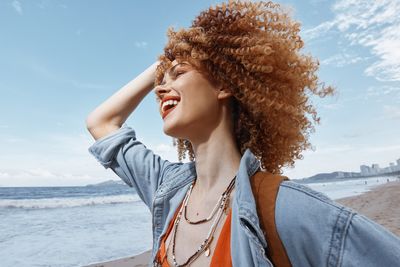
[(219, 209)]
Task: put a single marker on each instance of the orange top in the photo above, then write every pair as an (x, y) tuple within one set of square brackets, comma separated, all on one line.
[(222, 253)]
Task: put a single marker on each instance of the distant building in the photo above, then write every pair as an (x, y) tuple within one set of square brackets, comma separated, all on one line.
[(365, 170), (396, 167), (392, 167), (375, 168)]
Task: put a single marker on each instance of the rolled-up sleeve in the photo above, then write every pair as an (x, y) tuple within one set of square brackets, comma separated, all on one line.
[(369, 244), (135, 164)]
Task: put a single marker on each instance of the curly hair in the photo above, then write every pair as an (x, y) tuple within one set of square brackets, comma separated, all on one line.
[(252, 48)]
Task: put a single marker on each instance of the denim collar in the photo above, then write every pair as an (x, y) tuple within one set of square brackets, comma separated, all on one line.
[(244, 203), (249, 165)]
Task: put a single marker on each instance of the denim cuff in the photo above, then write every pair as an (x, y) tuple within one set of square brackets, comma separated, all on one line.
[(105, 148)]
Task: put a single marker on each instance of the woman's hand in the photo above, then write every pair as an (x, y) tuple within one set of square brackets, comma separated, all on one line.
[(112, 113)]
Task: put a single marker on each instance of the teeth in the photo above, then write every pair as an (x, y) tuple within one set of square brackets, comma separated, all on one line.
[(169, 103)]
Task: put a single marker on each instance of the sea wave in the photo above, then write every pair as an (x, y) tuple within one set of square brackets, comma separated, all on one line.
[(66, 202)]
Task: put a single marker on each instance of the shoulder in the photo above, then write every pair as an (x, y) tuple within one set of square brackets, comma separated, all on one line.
[(316, 231), (293, 189), (310, 223), (295, 200)]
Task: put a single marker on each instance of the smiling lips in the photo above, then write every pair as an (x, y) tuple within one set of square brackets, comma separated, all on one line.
[(168, 104)]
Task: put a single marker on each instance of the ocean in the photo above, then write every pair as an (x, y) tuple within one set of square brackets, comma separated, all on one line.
[(76, 226), (71, 226)]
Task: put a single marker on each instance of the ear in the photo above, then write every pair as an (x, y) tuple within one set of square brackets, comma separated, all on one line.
[(223, 93)]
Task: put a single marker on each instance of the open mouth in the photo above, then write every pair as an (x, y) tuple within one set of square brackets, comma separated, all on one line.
[(168, 106)]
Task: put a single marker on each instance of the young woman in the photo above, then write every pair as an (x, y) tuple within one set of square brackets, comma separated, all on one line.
[(232, 92)]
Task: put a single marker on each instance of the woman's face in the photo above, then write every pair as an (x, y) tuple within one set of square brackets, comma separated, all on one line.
[(194, 107)]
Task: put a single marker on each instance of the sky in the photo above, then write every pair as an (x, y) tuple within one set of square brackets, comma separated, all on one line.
[(60, 59)]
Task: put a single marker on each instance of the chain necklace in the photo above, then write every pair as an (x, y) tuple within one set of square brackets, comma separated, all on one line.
[(221, 199), (222, 205)]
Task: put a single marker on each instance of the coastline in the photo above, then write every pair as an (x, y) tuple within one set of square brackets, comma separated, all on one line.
[(380, 204)]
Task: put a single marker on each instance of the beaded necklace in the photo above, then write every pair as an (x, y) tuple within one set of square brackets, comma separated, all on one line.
[(222, 206)]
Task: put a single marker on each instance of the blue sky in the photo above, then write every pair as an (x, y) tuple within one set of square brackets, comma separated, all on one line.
[(60, 59)]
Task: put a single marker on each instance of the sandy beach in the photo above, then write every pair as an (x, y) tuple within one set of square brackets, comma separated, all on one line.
[(139, 260), (380, 204)]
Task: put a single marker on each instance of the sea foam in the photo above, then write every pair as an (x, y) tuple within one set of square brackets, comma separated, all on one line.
[(64, 202)]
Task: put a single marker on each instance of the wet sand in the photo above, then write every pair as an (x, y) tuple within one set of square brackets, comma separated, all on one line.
[(381, 204)]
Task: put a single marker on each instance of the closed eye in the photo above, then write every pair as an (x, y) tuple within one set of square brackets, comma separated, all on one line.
[(178, 73)]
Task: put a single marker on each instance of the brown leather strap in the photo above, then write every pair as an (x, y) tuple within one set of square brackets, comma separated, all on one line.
[(265, 188)]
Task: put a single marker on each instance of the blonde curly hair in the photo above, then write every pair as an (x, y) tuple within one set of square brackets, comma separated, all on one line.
[(252, 48)]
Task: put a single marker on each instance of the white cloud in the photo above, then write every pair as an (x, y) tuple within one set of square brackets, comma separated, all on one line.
[(59, 159), (17, 6), (65, 160), (164, 148), (331, 149), (386, 90), (332, 106), (15, 140), (86, 85), (51, 160), (342, 59), (141, 44), (372, 24), (383, 148), (40, 172), (315, 2), (319, 30), (43, 177), (165, 151), (392, 112)]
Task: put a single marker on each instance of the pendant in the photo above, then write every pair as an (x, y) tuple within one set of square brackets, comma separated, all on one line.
[(207, 252), (226, 209), (226, 206)]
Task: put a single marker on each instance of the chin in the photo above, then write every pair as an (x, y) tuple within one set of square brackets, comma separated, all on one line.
[(182, 127), (173, 131)]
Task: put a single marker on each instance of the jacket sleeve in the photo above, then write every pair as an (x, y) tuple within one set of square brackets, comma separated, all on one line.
[(369, 244), (317, 231), (135, 164)]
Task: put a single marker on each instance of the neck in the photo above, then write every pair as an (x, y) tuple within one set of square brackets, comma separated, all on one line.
[(217, 162)]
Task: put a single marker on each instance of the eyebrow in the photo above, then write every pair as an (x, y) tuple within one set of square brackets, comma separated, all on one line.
[(172, 70)]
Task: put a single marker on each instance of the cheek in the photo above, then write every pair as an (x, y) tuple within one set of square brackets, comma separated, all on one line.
[(198, 96), (200, 106)]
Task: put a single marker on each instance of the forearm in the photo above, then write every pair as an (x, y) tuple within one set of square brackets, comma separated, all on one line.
[(117, 108)]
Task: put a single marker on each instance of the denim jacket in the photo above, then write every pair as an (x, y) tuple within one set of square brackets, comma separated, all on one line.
[(314, 230)]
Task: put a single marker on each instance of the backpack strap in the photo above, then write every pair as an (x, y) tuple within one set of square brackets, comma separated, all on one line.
[(265, 188)]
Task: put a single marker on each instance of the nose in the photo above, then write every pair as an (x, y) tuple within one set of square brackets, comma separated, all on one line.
[(161, 90)]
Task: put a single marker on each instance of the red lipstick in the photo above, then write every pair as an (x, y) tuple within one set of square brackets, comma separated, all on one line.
[(167, 112), (166, 98)]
